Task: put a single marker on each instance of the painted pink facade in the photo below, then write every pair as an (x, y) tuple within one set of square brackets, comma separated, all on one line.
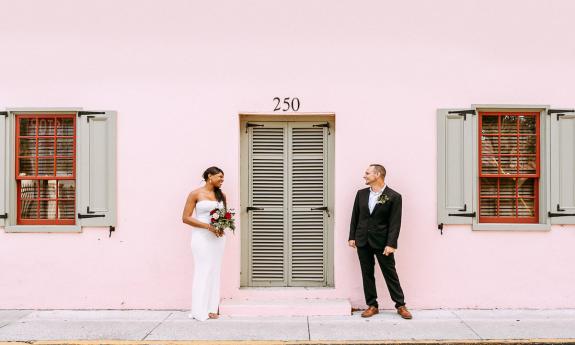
[(179, 73)]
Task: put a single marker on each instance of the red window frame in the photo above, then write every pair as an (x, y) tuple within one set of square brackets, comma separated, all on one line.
[(501, 175), (36, 177)]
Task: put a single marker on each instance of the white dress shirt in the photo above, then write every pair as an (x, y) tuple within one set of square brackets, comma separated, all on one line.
[(373, 196)]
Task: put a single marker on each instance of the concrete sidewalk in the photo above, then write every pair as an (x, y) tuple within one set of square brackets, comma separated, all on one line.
[(171, 326)]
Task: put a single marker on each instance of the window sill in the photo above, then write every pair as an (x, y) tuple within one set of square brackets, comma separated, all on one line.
[(511, 227), (43, 228)]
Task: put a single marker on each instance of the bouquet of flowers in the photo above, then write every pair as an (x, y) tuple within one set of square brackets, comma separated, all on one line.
[(223, 219)]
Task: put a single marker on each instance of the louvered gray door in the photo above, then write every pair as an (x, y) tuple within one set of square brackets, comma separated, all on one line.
[(268, 197), (287, 185), (307, 196)]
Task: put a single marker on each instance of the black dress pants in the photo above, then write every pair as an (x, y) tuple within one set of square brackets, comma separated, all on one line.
[(387, 264)]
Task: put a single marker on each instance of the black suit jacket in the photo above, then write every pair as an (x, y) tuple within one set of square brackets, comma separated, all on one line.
[(380, 228)]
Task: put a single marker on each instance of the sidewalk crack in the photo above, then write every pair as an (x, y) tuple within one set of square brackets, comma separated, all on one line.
[(158, 325), (308, 332), (466, 325)]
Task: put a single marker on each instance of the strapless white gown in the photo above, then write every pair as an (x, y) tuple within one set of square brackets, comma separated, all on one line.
[(207, 251)]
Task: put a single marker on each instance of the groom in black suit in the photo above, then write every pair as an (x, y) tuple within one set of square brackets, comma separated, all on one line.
[(374, 229)]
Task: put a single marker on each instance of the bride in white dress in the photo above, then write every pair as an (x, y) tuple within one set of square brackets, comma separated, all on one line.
[(207, 244)]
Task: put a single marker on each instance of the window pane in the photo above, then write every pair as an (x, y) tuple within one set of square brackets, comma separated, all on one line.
[(48, 189), (66, 189), (29, 189), (66, 209), (45, 147), (47, 209), (507, 207), (46, 167), (490, 145), (527, 125), (508, 124), (507, 187), (508, 165), (27, 127), (488, 187), (65, 127), (488, 207), (527, 165), (528, 144), (29, 209), (508, 144), (526, 207), (65, 167), (27, 147), (489, 125), (27, 166), (489, 165), (526, 187), (65, 147), (46, 126)]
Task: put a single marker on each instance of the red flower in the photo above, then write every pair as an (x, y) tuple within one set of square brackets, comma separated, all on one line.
[(213, 211), (228, 215), (213, 220)]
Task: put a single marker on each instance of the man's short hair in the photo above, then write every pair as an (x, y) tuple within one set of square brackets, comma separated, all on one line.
[(379, 168)]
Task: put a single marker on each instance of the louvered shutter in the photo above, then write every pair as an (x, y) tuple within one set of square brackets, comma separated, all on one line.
[(454, 167), (268, 194), (562, 168), (3, 165), (97, 169), (308, 194)]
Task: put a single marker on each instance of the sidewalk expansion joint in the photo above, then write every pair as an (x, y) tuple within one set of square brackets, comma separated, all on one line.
[(308, 332), (466, 325), (158, 325)]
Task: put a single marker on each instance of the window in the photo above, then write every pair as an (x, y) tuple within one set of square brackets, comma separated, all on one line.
[(506, 167), (509, 167), (45, 168), (57, 170)]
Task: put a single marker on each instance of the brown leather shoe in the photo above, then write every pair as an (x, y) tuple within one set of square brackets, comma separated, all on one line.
[(404, 313), (369, 312)]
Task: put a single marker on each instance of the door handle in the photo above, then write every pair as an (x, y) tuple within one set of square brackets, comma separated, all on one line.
[(324, 208)]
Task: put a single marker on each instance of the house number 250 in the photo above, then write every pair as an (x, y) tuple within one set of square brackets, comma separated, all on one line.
[(287, 104)]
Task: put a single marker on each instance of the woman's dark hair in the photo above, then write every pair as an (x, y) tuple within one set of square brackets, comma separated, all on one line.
[(214, 171)]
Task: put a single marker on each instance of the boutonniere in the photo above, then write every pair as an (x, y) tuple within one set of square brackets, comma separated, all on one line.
[(383, 198)]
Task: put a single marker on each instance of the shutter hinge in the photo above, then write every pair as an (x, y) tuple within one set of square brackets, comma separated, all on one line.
[(112, 228), (559, 112), (324, 125), (440, 227), (4, 216), (80, 113), (559, 209), (463, 113), (4, 113), (471, 215), (90, 214), (248, 125)]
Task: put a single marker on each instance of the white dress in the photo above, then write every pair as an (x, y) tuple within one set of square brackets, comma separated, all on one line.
[(207, 251)]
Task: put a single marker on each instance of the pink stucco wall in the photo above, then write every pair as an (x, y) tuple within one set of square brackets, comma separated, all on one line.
[(180, 72)]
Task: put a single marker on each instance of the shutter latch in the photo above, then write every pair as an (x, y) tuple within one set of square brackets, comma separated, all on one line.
[(463, 113), (321, 209), (559, 209), (251, 208), (324, 125), (4, 113), (4, 216), (248, 125)]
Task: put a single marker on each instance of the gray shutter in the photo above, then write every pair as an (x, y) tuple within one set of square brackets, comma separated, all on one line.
[(268, 193), (3, 165), (96, 168), (454, 167), (562, 168), (308, 191)]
